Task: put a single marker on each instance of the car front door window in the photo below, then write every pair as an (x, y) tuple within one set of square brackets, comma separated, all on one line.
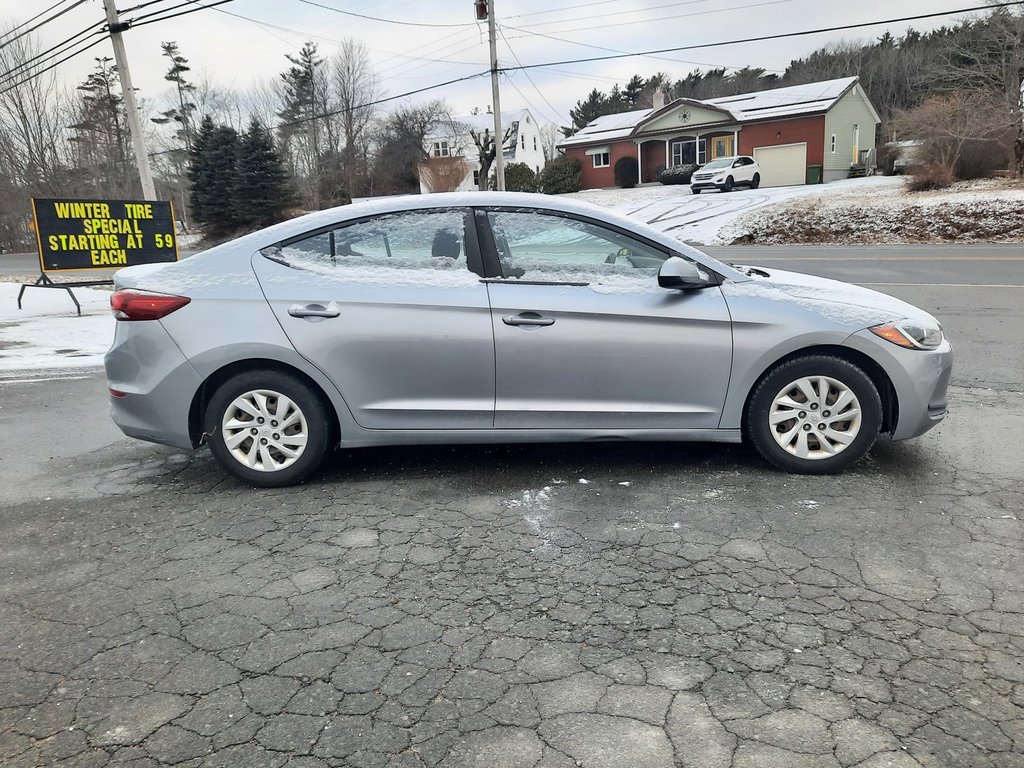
[(541, 247)]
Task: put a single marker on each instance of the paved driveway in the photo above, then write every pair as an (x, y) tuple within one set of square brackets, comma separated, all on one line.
[(589, 605)]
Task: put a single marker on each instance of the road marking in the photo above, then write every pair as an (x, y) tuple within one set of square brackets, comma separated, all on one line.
[(42, 379), (881, 258), (949, 285)]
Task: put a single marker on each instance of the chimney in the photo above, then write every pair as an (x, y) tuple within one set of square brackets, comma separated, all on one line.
[(658, 98)]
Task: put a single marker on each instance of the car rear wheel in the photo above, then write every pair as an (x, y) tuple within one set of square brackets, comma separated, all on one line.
[(756, 181), (814, 415), (729, 184), (267, 428)]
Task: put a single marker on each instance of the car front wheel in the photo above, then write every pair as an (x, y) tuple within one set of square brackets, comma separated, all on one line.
[(729, 184), (814, 415), (267, 428)]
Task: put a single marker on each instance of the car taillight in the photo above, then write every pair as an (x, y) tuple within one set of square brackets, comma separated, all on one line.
[(129, 304)]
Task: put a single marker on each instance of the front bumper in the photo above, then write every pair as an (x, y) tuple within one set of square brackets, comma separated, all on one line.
[(920, 378)]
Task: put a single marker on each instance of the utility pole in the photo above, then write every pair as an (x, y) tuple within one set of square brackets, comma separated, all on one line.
[(134, 124), (499, 150)]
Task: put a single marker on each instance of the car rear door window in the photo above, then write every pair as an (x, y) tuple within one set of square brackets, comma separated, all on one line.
[(411, 240)]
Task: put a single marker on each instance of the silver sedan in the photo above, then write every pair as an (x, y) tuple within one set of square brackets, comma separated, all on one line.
[(487, 317)]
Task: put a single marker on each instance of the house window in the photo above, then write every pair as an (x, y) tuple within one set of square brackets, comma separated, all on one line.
[(534, 143), (476, 179), (441, 149), (523, 138), (833, 143), (689, 152), (602, 160)]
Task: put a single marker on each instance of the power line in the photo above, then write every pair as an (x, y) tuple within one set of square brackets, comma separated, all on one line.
[(660, 18), (386, 99), (15, 28), (377, 18), (148, 20), (540, 93), (43, 71), (616, 50), (42, 23), (764, 38), (44, 56), (644, 10)]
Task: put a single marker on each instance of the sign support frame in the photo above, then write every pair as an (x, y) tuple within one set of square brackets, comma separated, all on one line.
[(44, 281)]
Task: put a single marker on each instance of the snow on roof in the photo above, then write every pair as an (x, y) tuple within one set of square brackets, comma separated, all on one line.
[(809, 98), (478, 122), (608, 127), (780, 102)]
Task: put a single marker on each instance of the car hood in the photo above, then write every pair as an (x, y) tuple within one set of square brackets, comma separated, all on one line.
[(843, 303)]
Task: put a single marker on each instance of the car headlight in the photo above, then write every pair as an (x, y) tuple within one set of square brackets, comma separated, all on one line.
[(910, 335)]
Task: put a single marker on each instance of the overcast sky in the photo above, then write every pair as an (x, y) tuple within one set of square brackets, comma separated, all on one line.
[(245, 40)]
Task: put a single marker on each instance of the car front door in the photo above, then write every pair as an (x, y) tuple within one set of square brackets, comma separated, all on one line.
[(584, 336), (389, 309)]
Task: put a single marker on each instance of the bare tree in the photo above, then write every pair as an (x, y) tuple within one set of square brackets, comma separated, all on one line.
[(988, 55), (33, 119), (949, 126), (356, 87), (487, 149)]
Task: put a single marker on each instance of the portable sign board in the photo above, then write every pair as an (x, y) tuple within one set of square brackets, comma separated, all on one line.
[(103, 234)]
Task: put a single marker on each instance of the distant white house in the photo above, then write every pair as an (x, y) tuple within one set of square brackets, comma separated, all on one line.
[(454, 139)]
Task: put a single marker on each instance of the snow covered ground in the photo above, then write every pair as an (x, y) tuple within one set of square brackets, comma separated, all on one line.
[(699, 219), (866, 210), (47, 334)]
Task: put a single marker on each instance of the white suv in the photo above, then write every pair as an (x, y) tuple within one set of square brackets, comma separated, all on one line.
[(725, 173)]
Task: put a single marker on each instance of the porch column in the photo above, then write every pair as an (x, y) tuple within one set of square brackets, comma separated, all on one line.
[(668, 159), (736, 142), (639, 163)]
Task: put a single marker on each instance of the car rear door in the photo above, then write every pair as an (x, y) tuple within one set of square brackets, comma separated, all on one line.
[(388, 308), (585, 337)]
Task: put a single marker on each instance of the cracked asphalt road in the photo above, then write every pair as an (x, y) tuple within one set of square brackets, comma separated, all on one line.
[(685, 606)]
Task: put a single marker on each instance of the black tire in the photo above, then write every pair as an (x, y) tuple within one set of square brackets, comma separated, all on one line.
[(756, 181), (695, 190), (267, 386), (828, 376), (729, 184)]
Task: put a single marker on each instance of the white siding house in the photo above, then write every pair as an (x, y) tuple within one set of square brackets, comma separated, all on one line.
[(453, 139)]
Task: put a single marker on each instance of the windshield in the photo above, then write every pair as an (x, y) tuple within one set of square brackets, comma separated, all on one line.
[(722, 162)]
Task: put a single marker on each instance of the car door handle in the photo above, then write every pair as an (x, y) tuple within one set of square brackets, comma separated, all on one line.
[(527, 318), (314, 310)]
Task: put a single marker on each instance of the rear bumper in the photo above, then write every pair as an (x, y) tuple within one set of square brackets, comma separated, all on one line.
[(157, 382)]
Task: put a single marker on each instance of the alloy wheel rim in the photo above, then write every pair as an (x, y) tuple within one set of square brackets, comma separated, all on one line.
[(815, 417), (264, 430)]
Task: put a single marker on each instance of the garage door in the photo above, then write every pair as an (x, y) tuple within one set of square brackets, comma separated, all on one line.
[(782, 166)]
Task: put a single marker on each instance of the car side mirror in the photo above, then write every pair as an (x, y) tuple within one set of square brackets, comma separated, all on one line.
[(680, 273)]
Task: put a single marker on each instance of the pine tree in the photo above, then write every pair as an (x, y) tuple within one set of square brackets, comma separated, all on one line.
[(214, 177), (102, 132), (199, 174), (183, 113), (262, 193)]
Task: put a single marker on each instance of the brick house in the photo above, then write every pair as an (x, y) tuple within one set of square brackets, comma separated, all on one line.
[(799, 134)]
